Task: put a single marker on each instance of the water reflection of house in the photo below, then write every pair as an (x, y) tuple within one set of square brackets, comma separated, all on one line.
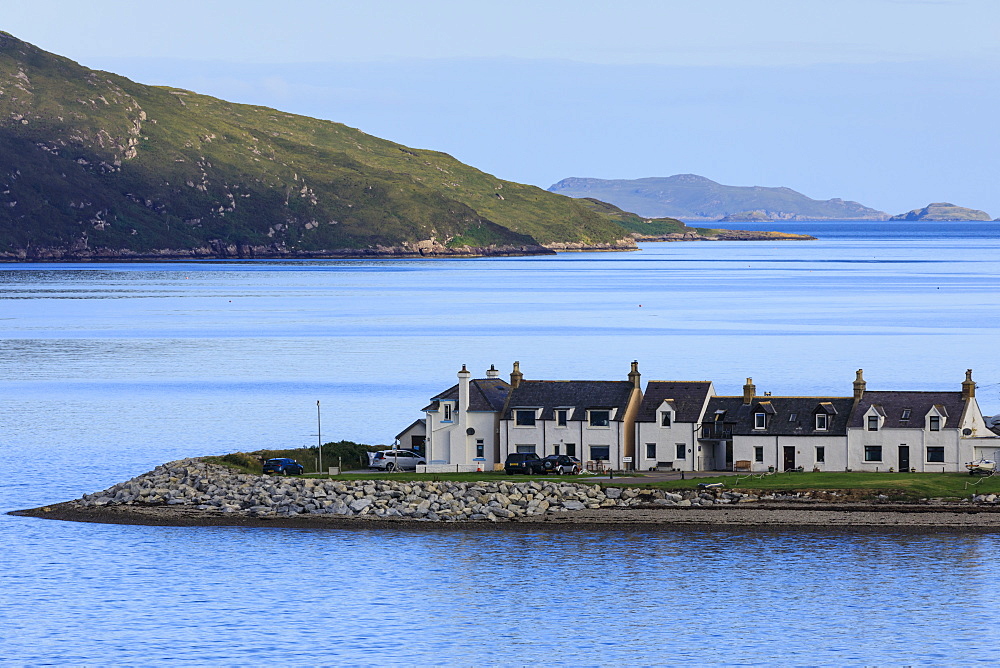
[(684, 426)]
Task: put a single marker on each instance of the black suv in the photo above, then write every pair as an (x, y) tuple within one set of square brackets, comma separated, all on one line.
[(523, 462), (283, 465)]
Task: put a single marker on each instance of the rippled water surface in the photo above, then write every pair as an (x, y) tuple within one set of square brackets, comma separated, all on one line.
[(110, 369)]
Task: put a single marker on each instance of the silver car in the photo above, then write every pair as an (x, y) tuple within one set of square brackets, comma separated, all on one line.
[(391, 460)]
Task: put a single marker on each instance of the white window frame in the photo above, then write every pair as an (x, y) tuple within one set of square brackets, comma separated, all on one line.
[(825, 420), (668, 418), (760, 420)]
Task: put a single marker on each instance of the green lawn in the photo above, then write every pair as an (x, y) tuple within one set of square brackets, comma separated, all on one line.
[(896, 485), (908, 485)]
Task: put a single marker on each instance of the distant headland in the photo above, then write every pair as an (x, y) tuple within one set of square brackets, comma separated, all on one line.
[(94, 166), (695, 198)]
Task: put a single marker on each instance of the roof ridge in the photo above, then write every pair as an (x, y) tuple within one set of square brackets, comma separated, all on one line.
[(678, 381), (576, 381)]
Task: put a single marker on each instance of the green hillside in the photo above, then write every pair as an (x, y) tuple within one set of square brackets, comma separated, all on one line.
[(95, 165), (695, 198)]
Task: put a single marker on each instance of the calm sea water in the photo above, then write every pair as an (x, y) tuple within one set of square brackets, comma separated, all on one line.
[(110, 369)]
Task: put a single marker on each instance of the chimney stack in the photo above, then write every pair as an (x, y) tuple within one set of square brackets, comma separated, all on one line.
[(968, 386), (463, 393), (492, 372), (859, 386), (516, 376), (634, 376), (749, 391)]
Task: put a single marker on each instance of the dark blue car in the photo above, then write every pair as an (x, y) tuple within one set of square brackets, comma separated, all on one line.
[(283, 465)]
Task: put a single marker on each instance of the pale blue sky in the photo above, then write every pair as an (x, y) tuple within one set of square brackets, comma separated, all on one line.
[(888, 102)]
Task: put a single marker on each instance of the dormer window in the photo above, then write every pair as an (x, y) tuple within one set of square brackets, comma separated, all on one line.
[(524, 418), (872, 423), (759, 420), (935, 423), (600, 418), (822, 419), (561, 417), (665, 418), (447, 413)]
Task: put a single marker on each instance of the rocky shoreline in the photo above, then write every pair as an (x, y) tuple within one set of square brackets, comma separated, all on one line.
[(191, 492)]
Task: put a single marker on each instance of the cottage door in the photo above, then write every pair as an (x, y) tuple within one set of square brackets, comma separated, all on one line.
[(904, 458), (789, 457)]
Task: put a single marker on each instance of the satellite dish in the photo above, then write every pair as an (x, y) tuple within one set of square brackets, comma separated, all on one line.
[(967, 432), (470, 431)]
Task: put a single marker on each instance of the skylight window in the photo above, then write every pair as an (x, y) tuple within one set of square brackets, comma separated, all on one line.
[(793, 417)]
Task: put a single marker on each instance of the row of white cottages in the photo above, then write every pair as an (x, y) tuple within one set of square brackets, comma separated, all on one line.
[(684, 425)]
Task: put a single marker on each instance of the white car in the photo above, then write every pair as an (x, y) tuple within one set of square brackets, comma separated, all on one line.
[(391, 460)]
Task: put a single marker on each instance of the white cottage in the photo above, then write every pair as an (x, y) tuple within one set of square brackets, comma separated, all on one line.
[(463, 422), (667, 425), (920, 431), (588, 419)]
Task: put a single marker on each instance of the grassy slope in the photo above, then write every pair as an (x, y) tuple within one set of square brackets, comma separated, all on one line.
[(124, 165)]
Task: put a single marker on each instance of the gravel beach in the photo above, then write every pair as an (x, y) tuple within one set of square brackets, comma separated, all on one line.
[(895, 517)]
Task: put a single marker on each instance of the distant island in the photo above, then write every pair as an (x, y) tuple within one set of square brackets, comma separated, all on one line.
[(671, 229), (943, 211), (695, 198)]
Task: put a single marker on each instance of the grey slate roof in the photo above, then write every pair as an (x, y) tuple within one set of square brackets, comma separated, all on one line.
[(687, 398), (412, 425), (485, 394), (780, 410), (892, 405), (579, 395)]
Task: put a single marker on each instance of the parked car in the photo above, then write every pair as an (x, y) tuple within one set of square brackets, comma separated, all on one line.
[(283, 465), (562, 464), (523, 462), (390, 460)]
